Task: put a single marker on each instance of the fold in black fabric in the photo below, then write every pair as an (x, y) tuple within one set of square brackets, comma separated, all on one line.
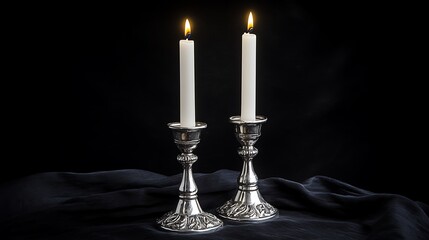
[(124, 204)]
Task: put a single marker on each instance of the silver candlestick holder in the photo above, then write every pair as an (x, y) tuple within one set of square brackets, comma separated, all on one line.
[(188, 215), (248, 204)]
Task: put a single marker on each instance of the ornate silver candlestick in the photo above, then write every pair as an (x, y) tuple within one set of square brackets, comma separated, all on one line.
[(188, 216), (248, 204)]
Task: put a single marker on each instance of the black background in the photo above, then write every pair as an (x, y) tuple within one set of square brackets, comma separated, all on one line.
[(93, 87)]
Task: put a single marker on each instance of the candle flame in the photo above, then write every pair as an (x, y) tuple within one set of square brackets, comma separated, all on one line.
[(250, 22), (187, 29)]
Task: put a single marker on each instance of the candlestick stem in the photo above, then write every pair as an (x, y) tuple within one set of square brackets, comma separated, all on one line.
[(188, 215), (248, 204)]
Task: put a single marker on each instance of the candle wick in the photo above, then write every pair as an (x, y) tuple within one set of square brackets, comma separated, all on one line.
[(250, 30), (188, 36)]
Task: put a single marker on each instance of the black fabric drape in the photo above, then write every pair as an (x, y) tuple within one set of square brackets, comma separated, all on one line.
[(124, 204)]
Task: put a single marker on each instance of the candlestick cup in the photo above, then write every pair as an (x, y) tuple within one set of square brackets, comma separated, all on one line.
[(188, 215), (248, 204)]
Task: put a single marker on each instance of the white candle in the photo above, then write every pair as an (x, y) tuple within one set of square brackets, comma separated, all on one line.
[(248, 74), (187, 80)]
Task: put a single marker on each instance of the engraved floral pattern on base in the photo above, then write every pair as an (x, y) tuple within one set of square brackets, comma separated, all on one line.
[(181, 222), (242, 210)]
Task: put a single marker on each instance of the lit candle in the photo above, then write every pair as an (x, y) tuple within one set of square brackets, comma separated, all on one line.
[(187, 79), (248, 73)]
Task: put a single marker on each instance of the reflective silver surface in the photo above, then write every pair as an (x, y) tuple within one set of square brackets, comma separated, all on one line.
[(248, 204), (188, 215)]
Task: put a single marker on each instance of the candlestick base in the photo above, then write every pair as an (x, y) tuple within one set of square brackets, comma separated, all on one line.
[(248, 204), (188, 215)]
